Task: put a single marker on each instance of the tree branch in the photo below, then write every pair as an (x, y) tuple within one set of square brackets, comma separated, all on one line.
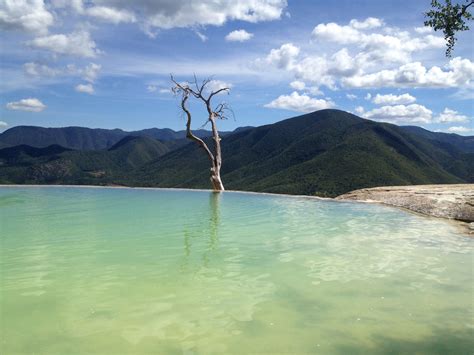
[(189, 134)]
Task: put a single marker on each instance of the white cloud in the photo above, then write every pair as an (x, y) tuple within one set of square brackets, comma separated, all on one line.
[(458, 72), (375, 56), (78, 43), (36, 69), (391, 99), (368, 23), (76, 5), (360, 110), (395, 47), (85, 88), (336, 33), (368, 96), (3, 124), (201, 36), (460, 129), (91, 71), (156, 15), (413, 113), (284, 56), (351, 96), (31, 104), (449, 115), (27, 15), (165, 14), (299, 103), (215, 85), (238, 36), (423, 30), (110, 14), (297, 85), (314, 90), (155, 88)]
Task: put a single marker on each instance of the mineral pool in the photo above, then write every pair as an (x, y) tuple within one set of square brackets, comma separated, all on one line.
[(150, 271)]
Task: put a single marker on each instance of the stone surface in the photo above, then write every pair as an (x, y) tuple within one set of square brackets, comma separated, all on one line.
[(447, 201)]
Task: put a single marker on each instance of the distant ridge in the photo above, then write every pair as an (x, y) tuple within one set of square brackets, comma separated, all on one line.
[(83, 138), (325, 153)]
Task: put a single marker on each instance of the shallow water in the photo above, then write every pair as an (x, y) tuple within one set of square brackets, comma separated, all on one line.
[(118, 271)]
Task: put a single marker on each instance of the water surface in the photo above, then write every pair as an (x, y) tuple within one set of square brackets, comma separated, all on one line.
[(136, 271)]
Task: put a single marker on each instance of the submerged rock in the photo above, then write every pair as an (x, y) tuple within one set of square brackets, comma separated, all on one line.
[(454, 201)]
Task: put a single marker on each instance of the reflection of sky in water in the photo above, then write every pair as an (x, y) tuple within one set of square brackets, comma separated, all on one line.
[(137, 271)]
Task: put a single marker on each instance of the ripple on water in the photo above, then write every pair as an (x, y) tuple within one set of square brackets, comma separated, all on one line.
[(143, 271)]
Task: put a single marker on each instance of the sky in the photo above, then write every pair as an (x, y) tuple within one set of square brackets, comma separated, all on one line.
[(107, 63)]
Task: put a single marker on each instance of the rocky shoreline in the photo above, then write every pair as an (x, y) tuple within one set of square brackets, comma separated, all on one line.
[(446, 201)]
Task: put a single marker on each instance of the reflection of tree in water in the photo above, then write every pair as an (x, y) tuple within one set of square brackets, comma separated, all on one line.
[(204, 235)]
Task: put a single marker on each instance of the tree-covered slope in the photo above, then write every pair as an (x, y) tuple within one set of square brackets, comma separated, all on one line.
[(464, 143), (82, 138), (327, 153), (25, 164)]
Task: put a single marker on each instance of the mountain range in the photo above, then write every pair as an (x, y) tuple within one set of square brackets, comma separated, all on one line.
[(325, 153)]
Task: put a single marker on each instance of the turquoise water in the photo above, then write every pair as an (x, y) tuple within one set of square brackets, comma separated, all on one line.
[(136, 271)]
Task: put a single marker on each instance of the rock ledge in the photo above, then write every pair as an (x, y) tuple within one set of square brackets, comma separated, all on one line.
[(447, 201)]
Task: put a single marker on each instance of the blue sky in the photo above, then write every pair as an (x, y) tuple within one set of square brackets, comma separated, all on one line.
[(106, 63)]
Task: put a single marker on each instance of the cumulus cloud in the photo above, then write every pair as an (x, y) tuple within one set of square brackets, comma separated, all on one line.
[(368, 23), (460, 129), (165, 14), (391, 99), (297, 85), (424, 29), (375, 56), (413, 113), (3, 124), (449, 115), (283, 57), (75, 5), (395, 47), (78, 43), (238, 36), (37, 69), (85, 88), (156, 15), (89, 73), (351, 96), (30, 104), (215, 85), (111, 15), (299, 103), (458, 72), (160, 90), (27, 15)]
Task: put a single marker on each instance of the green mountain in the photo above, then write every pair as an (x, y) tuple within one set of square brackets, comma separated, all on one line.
[(464, 143), (54, 164), (326, 153), (81, 138)]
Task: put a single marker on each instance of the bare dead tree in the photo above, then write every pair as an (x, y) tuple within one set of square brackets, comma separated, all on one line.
[(219, 112)]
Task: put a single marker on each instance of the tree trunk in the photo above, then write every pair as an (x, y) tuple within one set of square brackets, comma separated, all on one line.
[(216, 181), (217, 161)]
